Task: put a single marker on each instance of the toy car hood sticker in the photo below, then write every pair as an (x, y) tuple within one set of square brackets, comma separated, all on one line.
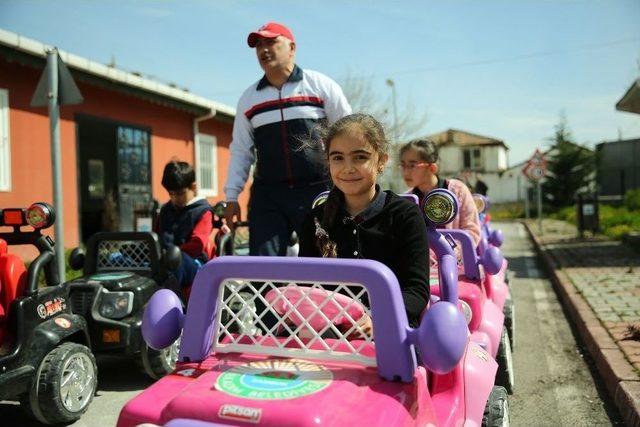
[(110, 276), (240, 413), (49, 308), (274, 379), (62, 322)]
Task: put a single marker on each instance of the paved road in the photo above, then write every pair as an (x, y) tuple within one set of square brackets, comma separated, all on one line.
[(554, 383)]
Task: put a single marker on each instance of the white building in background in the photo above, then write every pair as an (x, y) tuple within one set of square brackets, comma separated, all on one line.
[(467, 156)]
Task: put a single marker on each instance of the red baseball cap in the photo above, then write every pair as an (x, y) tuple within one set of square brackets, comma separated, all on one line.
[(270, 30)]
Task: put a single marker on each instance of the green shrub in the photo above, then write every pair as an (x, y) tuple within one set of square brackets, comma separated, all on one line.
[(632, 199), (565, 214), (506, 210), (617, 231)]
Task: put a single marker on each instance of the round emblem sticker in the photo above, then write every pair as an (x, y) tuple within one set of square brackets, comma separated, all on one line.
[(110, 276), (62, 322), (275, 379)]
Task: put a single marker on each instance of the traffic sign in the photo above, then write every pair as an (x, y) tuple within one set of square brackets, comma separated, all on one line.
[(536, 168)]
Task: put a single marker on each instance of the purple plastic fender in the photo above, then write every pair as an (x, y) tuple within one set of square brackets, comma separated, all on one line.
[(496, 238), (162, 319), (492, 260)]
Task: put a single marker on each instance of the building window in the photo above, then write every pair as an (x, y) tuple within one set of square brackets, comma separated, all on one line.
[(472, 158), (5, 148), (207, 165)]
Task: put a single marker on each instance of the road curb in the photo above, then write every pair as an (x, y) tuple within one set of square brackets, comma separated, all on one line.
[(618, 375)]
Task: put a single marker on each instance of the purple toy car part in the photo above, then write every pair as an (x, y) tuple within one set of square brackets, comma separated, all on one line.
[(394, 360), (162, 319), (491, 258), (496, 238)]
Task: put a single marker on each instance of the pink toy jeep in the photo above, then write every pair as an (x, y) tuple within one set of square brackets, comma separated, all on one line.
[(296, 367)]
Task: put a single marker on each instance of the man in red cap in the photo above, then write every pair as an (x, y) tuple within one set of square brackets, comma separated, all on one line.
[(276, 127)]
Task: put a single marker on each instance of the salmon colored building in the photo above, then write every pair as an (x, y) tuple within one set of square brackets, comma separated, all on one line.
[(114, 144)]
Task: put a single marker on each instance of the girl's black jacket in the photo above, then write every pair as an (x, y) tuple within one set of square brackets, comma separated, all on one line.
[(392, 231)]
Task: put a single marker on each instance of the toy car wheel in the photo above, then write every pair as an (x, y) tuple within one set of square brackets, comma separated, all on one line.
[(505, 376), (64, 385), (158, 363), (510, 320), (496, 412)]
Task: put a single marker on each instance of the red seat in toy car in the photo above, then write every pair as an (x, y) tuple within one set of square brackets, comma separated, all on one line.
[(13, 278)]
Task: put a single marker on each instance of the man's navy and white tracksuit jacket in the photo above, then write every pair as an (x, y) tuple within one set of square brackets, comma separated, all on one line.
[(278, 128)]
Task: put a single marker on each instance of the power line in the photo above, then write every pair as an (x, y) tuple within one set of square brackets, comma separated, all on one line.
[(499, 60)]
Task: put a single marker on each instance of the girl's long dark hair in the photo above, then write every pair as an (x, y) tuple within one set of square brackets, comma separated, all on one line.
[(374, 134)]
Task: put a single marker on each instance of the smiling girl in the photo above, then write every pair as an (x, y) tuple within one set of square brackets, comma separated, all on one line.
[(359, 220)]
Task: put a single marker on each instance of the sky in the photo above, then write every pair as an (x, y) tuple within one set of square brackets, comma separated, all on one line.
[(505, 69)]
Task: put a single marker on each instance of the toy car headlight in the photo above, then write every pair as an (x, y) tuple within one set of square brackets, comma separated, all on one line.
[(466, 310), (440, 206), (479, 200), (116, 305), (40, 215)]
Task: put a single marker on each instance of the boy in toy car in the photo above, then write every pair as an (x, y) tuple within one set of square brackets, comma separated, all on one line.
[(184, 221)]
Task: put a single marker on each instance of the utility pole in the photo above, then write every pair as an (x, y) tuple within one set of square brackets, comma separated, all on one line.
[(56, 87), (394, 158)]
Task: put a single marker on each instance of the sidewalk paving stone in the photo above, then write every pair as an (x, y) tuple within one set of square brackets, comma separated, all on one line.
[(599, 280)]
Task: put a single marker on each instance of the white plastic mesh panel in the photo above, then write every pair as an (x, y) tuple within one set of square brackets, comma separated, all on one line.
[(248, 323), (124, 254)]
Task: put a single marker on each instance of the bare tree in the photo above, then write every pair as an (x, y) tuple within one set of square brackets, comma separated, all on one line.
[(364, 99), (410, 122)]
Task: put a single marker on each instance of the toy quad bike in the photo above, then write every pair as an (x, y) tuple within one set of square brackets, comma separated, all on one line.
[(45, 360), (305, 376), (122, 270)]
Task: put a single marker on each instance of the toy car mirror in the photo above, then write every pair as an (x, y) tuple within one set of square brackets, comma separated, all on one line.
[(492, 260), (320, 199), (496, 238), (479, 201), (440, 207), (172, 257), (162, 319), (76, 259), (219, 209), (441, 338)]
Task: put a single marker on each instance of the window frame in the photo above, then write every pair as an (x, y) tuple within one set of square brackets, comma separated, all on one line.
[(206, 139), (475, 163), (5, 143)]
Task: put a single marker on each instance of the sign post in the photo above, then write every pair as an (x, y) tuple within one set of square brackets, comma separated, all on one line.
[(56, 87), (536, 170)]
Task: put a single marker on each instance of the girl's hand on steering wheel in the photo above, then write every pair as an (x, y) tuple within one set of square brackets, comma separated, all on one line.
[(366, 325)]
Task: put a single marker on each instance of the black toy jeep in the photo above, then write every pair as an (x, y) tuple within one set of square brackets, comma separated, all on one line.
[(121, 272)]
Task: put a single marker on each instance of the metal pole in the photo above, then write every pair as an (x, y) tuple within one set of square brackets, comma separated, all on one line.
[(539, 207), (54, 121), (526, 202), (396, 143)]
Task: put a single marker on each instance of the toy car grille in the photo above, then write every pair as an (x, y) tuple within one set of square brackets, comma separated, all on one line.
[(259, 318), (124, 254), (81, 302)]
